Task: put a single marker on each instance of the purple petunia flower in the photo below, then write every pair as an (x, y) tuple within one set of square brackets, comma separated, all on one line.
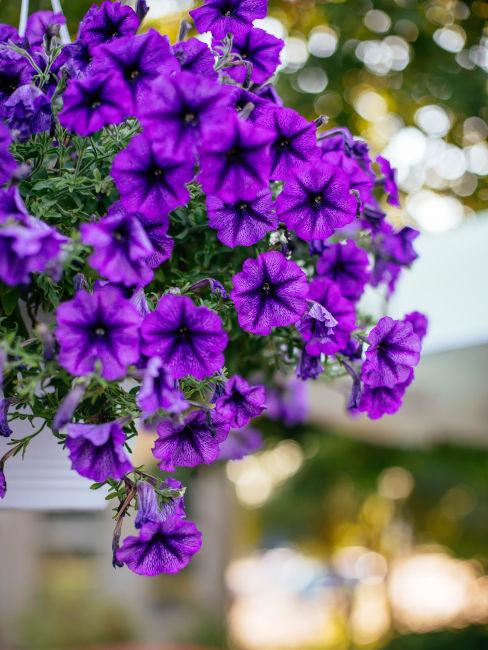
[(92, 102), (27, 247), (270, 291), (255, 107), (68, 406), (40, 24), (7, 33), (389, 180), (3, 484), (139, 300), (136, 62), (317, 328), (7, 162), (382, 400), (294, 142), (242, 223), (149, 509), (11, 205), (347, 265), (235, 160), (227, 16), (398, 246), (287, 402), (240, 402), (196, 57), (121, 248), (162, 243), (159, 390), (164, 547), (190, 340), (309, 367), (27, 111), (240, 443), (180, 107), (107, 22), (97, 451), (98, 327), (150, 178), (317, 203), (76, 58), (260, 49), (394, 349), (15, 71), (419, 322), (191, 442)]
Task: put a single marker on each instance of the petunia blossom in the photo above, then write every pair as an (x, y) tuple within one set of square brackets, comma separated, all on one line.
[(419, 322), (227, 16), (121, 248), (97, 451), (162, 547), (27, 112), (92, 102), (240, 443), (319, 331), (40, 24), (294, 142), (100, 327), (159, 390), (270, 291), (316, 202), (377, 401), (136, 62), (234, 160), (109, 21), (258, 48), (150, 178), (242, 223), (240, 402), (347, 265), (196, 57), (190, 340), (180, 107), (389, 181), (11, 205), (190, 442), (394, 349)]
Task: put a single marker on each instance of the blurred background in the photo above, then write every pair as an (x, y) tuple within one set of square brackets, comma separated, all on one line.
[(340, 533)]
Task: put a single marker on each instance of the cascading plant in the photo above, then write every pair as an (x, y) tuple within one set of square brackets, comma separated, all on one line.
[(178, 248)]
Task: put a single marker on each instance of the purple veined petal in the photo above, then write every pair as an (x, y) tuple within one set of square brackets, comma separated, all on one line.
[(109, 21), (394, 349), (270, 291), (97, 451), (149, 177), (221, 17), (317, 202), (159, 390), (240, 443), (242, 223), (196, 57), (348, 266), (240, 402), (258, 47), (189, 340), (164, 547)]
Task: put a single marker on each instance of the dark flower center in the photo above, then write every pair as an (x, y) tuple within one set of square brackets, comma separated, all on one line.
[(99, 330), (133, 74), (157, 173), (266, 287), (283, 143), (234, 154), (9, 84), (242, 206), (183, 333), (190, 118), (316, 200)]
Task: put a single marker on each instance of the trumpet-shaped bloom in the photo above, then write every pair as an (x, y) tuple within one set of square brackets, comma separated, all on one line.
[(234, 160), (317, 202), (41, 23), (97, 451), (136, 62), (189, 340), (196, 57), (11, 205), (394, 349), (15, 71), (270, 291), (121, 248), (159, 390), (92, 102), (98, 327), (347, 265), (107, 22), (242, 223), (294, 142), (150, 179), (162, 547), (377, 401), (260, 49), (181, 107), (192, 442), (240, 402), (227, 16), (318, 330), (27, 111)]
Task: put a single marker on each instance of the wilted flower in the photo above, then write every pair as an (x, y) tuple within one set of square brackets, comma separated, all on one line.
[(240, 402), (27, 111)]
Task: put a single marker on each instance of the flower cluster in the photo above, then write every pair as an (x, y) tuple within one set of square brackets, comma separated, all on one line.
[(174, 244)]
